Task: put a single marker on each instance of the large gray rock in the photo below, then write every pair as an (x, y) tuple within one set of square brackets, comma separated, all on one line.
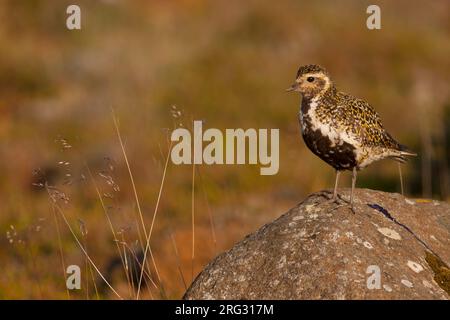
[(320, 250)]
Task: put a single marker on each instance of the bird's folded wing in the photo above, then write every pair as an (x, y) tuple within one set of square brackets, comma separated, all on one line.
[(366, 125)]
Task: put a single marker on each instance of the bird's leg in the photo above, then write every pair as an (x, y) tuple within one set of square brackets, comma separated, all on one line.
[(401, 177), (353, 188), (335, 196), (335, 199), (336, 185)]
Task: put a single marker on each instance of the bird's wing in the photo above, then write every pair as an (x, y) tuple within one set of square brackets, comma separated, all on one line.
[(366, 124)]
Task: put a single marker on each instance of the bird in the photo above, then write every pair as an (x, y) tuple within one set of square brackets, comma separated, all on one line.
[(344, 131)]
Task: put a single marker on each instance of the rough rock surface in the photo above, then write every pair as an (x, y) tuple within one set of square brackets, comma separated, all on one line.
[(321, 250)]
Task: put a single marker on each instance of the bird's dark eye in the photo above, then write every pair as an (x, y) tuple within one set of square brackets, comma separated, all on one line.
[(310, 79)]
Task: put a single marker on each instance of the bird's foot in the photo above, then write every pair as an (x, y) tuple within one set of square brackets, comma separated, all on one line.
[(331, 198), (349, 203), (334, 203), (339, 204), (325, 194)]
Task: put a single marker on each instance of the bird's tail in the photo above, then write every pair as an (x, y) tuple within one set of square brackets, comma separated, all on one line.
[(402, 153)]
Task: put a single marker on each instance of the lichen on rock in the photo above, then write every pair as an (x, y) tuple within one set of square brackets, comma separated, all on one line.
[(320, 250)]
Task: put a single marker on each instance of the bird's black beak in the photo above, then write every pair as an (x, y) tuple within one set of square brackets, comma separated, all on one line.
[(294, 87)]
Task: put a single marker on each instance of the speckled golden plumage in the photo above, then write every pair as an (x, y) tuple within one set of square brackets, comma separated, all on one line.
[(344, 131), (358, 119)]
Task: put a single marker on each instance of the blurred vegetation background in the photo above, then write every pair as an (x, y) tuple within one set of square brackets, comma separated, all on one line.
[(224, 62)]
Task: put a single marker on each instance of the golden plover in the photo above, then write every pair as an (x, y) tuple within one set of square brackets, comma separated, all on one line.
[(344, 131)]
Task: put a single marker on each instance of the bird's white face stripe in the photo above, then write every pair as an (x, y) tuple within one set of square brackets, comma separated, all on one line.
[(317, 75)]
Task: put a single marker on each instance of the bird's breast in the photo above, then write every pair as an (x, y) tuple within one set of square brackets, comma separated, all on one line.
[(312, 118), (325, 138)]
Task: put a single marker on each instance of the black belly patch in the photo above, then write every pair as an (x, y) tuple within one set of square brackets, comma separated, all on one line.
[(340, 157)]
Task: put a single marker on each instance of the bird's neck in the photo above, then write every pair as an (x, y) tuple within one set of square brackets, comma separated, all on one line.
[(326, 94)]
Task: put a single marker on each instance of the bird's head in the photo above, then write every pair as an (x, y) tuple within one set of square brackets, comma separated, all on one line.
[(311, 81)]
